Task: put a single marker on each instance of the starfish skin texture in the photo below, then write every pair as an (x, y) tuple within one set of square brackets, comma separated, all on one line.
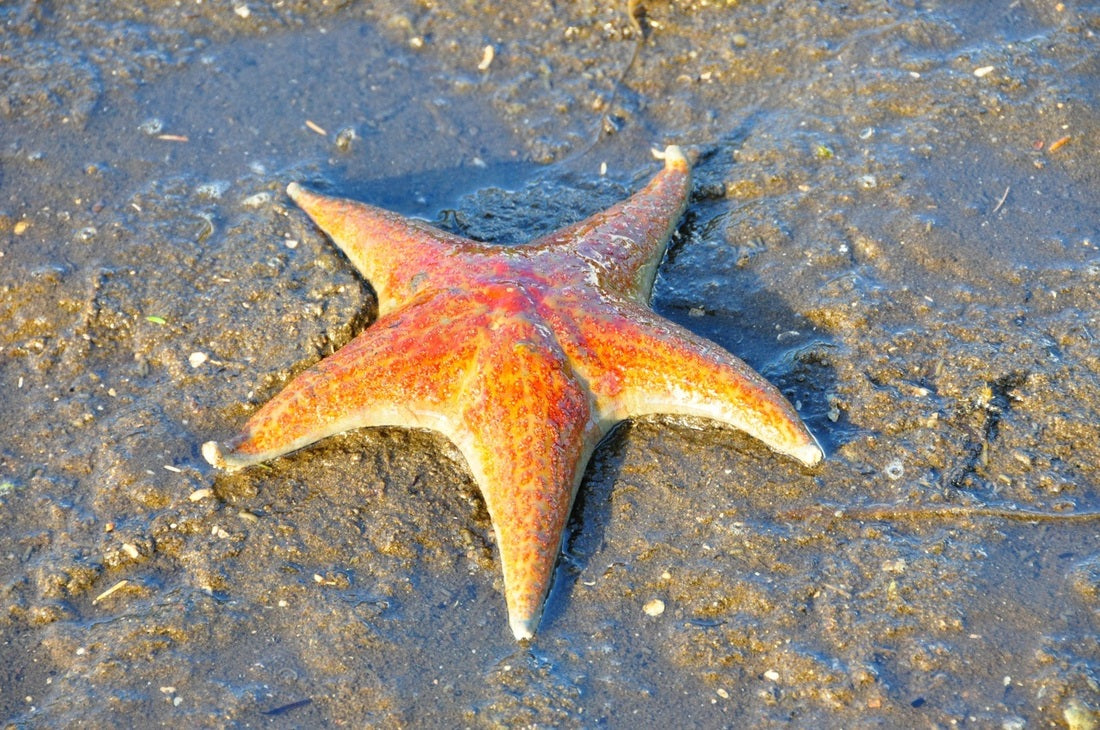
[(524, 356)]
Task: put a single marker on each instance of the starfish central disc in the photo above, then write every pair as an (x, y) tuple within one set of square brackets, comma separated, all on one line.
[(524, 357)]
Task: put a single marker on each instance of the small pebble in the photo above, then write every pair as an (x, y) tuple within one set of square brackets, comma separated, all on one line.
[(486, 58), (151, 126), (197, 358), (654, 607), (895, 470), (258, 200), (345, 138), (212, 190)]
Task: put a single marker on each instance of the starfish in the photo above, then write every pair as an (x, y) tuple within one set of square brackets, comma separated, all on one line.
[(524, 356)]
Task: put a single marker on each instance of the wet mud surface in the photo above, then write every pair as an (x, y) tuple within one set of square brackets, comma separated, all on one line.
[(895, 219)]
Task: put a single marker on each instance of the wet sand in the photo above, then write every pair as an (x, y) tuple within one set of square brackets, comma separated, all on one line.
[(895, 219)]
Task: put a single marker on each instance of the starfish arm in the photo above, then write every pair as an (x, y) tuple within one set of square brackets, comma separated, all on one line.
[(395, 254), (626, 242), (526, 433), (377, 379), (642, 364)]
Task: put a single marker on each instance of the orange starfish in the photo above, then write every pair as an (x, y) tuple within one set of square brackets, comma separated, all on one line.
[(525, 357)]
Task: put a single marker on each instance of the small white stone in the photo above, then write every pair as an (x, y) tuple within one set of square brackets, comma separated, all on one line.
[(212, 190), (197, 358), (654, 607), (487, 55), (772, 675), (257, 200)]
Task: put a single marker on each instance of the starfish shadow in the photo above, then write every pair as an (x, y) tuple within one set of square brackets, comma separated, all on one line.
[(721, 299), (584, 533), (760, 328)]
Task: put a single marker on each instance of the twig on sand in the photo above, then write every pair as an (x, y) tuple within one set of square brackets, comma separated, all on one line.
[(900, 513), (110, 591)]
